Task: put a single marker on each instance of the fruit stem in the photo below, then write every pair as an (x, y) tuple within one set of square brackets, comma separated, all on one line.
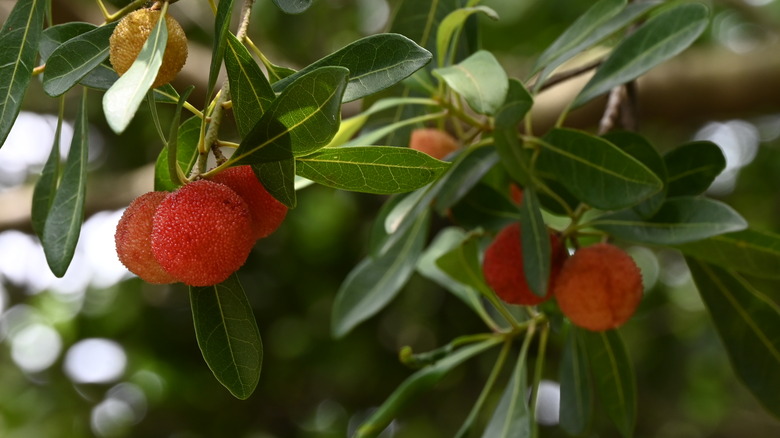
[(120, 13)]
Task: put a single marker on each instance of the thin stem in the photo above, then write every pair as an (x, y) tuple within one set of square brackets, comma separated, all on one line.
[(568, 74), (122, 12)]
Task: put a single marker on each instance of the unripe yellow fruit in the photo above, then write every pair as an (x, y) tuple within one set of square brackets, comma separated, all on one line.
[(132, 32)]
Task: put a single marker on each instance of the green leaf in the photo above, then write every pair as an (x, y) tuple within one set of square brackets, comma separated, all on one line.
[(751, 252), (46, 186), (371, 169), (186, 154), (122, 100), (473, 164), (480, 79), (512, 417), (679, 220), (747, 322), (375, 62), (614, 376), (221, 30), (227, 335), (18, 47), (537, 251), (75, 58), (249, 89), (293, 6), (451, 26), (594, 170), (63, 224), (693, 166), (662, 37), (516, 105), (375, 281), (278, 178), (416, 384), (463, 265), (576, 387), (485, 207), (304, 118), (54, 36)]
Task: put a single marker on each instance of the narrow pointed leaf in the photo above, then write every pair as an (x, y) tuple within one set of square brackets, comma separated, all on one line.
[(54, 36), (278, 178), (375, 62), (693, 167), (63, 223), (747, 322), (76, 58), (476, 162), (512, 418), (679, 220), (122, 100), (186, 155), (596, 171), (249, 89), (480, 79), (227, 335), (416, 384), (752, 252), (375, 281), (516, 105), (576, 387), (535, 243), (614, 377), (221, 29), (485, 207), (452, 25), (662, 37), (371, 169), (46, 186), (293, 6), (18, 48), (462, 264), (304, 118)]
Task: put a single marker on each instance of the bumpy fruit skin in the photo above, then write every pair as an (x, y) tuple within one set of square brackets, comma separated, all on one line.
[(133, 239), (503, 267), (132, 32), (267, 213), (433, 142), (599, 287), (202, 233)]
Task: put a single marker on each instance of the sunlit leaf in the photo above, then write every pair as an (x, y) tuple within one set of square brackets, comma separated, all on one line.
[(747, 322), (480, 79), (221, 30), (227, 335), (576, 387), (693, 166), (293, 6), (452, 25), (75, 58), (186, 155), (751, 252), (536, 247), (19, 39), (371, 169), (249, 89), (63, 223)]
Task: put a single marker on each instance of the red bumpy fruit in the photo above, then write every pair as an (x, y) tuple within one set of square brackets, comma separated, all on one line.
[(433, 142), (202, 233), (133, 239), (267, 213), (503, 267), (599, 287)]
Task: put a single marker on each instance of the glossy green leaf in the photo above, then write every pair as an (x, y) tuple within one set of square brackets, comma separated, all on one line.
[(614, 376), (450, 28), (63, 223), (416, 384), (375, 281), (75, 58), (473, 164), (578, 31), (18, 48), (693, 166), (249, 89), (278, 178), (747, 322), (662, 37), (122, 100), (221, 30), (186, 155), (679, 220), (54, 36), (594, 170), (512, 418), (480, 79), (751, 252), (377, 135), (304, 118), (46, 186), (463, 265), (371, 169), (576, 387), (375, 62), (227, 335), (293, 6), (536, 248), (516, 105)]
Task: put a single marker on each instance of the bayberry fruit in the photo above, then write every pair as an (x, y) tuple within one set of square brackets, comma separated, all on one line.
[(434, 142)]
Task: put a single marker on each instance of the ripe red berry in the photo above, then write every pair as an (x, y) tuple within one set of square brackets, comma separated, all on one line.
[(133, 239), (434, 142), (267, 212), (202, 233), (503, 267), (599, 287)]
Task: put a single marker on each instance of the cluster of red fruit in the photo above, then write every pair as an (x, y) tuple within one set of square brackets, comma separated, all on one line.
[(199, 234), (598, 288)]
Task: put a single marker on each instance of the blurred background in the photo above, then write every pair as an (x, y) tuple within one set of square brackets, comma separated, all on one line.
[(100, 353)]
